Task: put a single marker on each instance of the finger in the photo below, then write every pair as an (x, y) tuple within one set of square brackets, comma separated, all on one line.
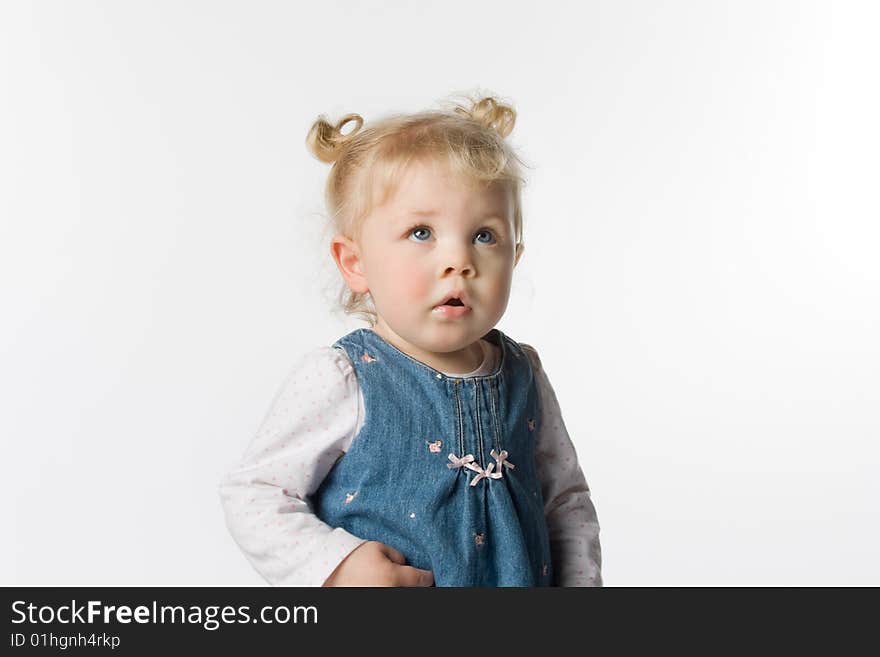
[(409, 576), (391, 553)]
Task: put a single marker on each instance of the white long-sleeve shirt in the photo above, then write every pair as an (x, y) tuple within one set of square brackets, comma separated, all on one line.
[(315, 416)]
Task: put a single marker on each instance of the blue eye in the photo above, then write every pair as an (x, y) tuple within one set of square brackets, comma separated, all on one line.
[(419, 229), (416, 230)]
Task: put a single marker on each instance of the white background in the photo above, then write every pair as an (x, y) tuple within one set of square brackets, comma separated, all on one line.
[(700, 276)]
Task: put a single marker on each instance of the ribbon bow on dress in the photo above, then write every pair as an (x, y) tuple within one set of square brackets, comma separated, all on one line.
[(467, 461), (458, 462), (483, 474), (502, 459)]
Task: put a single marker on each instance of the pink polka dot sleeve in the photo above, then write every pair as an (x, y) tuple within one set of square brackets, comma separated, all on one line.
[(309, 425), (571, 516)]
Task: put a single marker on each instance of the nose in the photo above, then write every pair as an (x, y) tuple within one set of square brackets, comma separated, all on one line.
[(457, 260)]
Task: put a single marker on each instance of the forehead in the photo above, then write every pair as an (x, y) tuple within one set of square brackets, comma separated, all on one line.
[(429, 189)]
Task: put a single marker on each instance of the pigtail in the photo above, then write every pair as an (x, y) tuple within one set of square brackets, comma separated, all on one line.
[(492, 114), (325, 141)]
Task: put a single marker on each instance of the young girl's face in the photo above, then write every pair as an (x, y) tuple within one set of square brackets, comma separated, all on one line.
[(434, 238)]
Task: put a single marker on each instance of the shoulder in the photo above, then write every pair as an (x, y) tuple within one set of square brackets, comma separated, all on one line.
[(532, 354), (318, 371), (520, 349), (545, 389), (316, 405), (331, 362)]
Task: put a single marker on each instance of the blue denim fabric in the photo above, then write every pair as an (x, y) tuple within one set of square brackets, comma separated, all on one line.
[(394, 484)]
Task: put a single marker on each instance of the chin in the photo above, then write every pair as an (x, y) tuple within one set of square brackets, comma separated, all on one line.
[(455, 338)]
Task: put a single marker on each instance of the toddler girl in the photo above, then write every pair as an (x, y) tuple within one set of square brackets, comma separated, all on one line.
[(428, 448)]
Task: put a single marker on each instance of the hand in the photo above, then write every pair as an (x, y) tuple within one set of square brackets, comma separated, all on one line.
[(376, 564)]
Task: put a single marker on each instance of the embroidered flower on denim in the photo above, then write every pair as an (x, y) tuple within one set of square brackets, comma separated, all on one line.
[(350, 496), (435, 446), (479, 539), (367, 358)]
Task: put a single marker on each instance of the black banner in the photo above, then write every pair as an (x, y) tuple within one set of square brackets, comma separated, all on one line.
[(145, 620)]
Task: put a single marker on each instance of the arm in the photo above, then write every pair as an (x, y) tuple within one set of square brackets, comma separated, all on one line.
[(308, 427), (571, 516)]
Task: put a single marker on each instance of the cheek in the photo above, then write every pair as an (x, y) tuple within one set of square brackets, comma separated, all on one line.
[(415, 286), (407, 279), (500, 278), (502, 287)]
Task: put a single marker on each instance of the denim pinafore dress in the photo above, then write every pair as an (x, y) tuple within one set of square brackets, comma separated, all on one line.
[(443, 468)]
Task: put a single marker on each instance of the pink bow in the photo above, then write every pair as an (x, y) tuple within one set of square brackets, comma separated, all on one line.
[(502, 459), (458, 462), (483, 474)]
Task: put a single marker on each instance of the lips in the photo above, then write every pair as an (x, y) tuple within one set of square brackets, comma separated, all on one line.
[(451, 312), (454, 298)]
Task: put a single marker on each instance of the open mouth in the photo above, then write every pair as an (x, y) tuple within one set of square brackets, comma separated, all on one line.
[(455, 304), (451, 302)]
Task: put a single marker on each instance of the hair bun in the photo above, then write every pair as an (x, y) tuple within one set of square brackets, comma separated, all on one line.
[(492, 114), (325, 140)]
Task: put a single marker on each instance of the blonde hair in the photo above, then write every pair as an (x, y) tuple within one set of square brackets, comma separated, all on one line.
[(470, 139)]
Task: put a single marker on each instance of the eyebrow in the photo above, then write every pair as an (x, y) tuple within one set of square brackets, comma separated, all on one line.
[(492, 216)]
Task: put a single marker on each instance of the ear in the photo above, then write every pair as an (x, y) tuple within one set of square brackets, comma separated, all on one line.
[(347, 255), (519, 251)]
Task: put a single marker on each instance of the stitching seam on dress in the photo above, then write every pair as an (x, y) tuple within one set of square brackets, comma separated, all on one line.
[(460, 422), (478, 421), (494, 404)]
